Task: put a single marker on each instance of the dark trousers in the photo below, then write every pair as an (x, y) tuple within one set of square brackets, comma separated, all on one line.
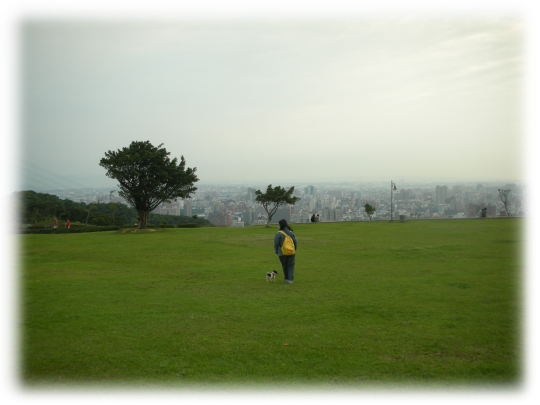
[(287, 264)]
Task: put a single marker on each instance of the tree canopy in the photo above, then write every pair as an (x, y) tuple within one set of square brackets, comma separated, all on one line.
[(274, 198), (147, 177)]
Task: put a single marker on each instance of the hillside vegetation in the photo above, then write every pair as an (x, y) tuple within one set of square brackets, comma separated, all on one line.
[(420, 302), (40, 209)]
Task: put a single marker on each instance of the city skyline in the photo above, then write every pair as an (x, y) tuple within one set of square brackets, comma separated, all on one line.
[(235, 205)]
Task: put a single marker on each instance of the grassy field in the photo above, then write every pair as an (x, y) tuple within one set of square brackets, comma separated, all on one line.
[(422, 302)]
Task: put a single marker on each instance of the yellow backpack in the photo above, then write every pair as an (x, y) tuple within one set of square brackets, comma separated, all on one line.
[(288, 245)]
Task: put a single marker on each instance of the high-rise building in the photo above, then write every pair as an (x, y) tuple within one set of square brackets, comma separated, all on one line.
[(283, 212), (338, 214), (309, 190), (327, 215), (187, 208), (248, 217), (441, 194), (251, 194)]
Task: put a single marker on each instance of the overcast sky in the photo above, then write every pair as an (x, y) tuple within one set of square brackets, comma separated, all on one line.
[(268, 100)]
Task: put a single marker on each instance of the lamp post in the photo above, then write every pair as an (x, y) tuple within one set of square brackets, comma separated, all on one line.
[(392, 189)]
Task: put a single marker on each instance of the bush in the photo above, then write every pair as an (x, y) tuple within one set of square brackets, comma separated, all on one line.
[(100, 220), (189, 226)]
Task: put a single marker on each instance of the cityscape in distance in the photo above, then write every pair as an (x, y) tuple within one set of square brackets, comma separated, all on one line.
[(235, 204)]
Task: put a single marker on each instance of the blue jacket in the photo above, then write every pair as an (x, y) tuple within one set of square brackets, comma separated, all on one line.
[(280, 238)]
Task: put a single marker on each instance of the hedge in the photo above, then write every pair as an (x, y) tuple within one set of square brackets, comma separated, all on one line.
[(77, 229)]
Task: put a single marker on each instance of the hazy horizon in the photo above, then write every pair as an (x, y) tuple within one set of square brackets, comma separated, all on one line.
[(51, 182)]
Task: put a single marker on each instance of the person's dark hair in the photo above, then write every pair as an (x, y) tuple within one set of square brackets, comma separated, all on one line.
[(283, 224)]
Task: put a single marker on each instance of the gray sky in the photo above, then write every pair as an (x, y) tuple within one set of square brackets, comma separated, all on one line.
[(247, 100)]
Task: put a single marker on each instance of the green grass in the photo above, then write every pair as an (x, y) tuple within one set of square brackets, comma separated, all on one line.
[(420, 302)]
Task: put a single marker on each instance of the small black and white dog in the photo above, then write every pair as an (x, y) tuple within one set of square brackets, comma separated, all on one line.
[(271, 276)]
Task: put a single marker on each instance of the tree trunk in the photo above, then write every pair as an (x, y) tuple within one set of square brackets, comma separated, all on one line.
[(143, 219), (270, 214)]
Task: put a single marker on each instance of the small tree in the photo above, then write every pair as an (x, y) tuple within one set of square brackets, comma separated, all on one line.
[(274, 198), (504, 195), (370, 210)]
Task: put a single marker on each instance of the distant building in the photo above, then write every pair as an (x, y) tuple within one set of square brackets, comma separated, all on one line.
[(301, 217), (332, 214), (282, 213), (474, 210), (248, 217), (188, 209), (167, 209), (218, 206), (441, 194), (310, 190), (407, 194), (236, 222), (327, 215), (338, 214), (219, 218), (250, 194), (491, 210)]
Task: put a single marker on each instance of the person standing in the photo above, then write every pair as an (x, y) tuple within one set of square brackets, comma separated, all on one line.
[(68, 223), (287, 262), (55, 223)]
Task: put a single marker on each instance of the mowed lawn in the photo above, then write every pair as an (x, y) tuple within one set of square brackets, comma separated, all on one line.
[(421, 302)]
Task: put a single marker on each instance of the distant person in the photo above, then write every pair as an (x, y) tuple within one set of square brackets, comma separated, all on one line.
[(313, 218), (55, 223), (317, 218), (287, 262), (68, 223)]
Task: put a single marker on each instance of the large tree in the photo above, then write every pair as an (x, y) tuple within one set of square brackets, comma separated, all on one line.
[(147, 177), (274, 198)]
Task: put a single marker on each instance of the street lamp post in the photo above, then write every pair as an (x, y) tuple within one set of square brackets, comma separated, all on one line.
[(392, 189)]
